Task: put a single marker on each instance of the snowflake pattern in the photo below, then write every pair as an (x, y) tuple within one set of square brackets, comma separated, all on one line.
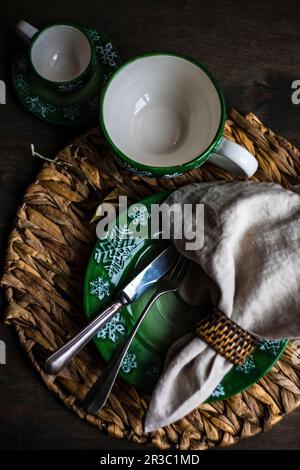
[(107, 54), (129, 363), (113, 329), (271, 345), (70, 87), (99, 287), (247, 365), (141, 172), (21, 84), (218, 392), (107, 75), (173, 175), (22, 62), (71, 112), (139, 214), (117, 246), (134, 170), (37, 105), (92, 34)]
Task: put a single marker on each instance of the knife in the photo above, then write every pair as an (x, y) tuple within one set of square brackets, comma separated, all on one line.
[(139, 284)]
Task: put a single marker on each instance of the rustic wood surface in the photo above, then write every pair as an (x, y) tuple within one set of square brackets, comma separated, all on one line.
[(251, 48)]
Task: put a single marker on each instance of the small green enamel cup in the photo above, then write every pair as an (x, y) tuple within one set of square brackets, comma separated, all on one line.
[(61, 55), (163, 114)]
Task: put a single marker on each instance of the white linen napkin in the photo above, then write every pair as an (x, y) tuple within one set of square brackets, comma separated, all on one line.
[(251, 256)]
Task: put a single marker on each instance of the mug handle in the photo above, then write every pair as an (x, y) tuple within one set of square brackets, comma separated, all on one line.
[(234, 158), (26, 31)]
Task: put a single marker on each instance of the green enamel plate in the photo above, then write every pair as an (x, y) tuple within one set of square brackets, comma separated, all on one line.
[(114, 261), (69, 108)]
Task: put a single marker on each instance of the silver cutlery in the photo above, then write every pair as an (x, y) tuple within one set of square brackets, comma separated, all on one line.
[(148, 276), (99, 392)]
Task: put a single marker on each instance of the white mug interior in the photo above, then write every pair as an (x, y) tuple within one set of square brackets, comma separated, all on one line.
[(161, 110), (61, 53)]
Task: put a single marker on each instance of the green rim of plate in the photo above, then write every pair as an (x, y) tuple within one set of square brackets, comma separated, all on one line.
[(175, 170), (65, 108), (111, 265)]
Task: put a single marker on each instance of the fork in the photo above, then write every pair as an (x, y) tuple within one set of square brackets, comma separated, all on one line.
[(99, 392)]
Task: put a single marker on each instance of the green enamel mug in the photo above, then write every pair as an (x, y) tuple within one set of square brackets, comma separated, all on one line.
[(163, 114), (61, 55)]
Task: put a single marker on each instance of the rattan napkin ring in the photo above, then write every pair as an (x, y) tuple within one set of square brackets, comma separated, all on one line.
[(226, 337)]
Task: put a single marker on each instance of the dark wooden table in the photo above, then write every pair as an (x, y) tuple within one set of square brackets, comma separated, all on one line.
[(251, 47)]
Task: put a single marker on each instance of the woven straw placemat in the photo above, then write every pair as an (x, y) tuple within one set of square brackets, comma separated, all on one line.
[(46, 258)]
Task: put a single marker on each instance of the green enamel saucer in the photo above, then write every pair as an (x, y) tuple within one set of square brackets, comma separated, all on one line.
[(65, 108), (114, 261)]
